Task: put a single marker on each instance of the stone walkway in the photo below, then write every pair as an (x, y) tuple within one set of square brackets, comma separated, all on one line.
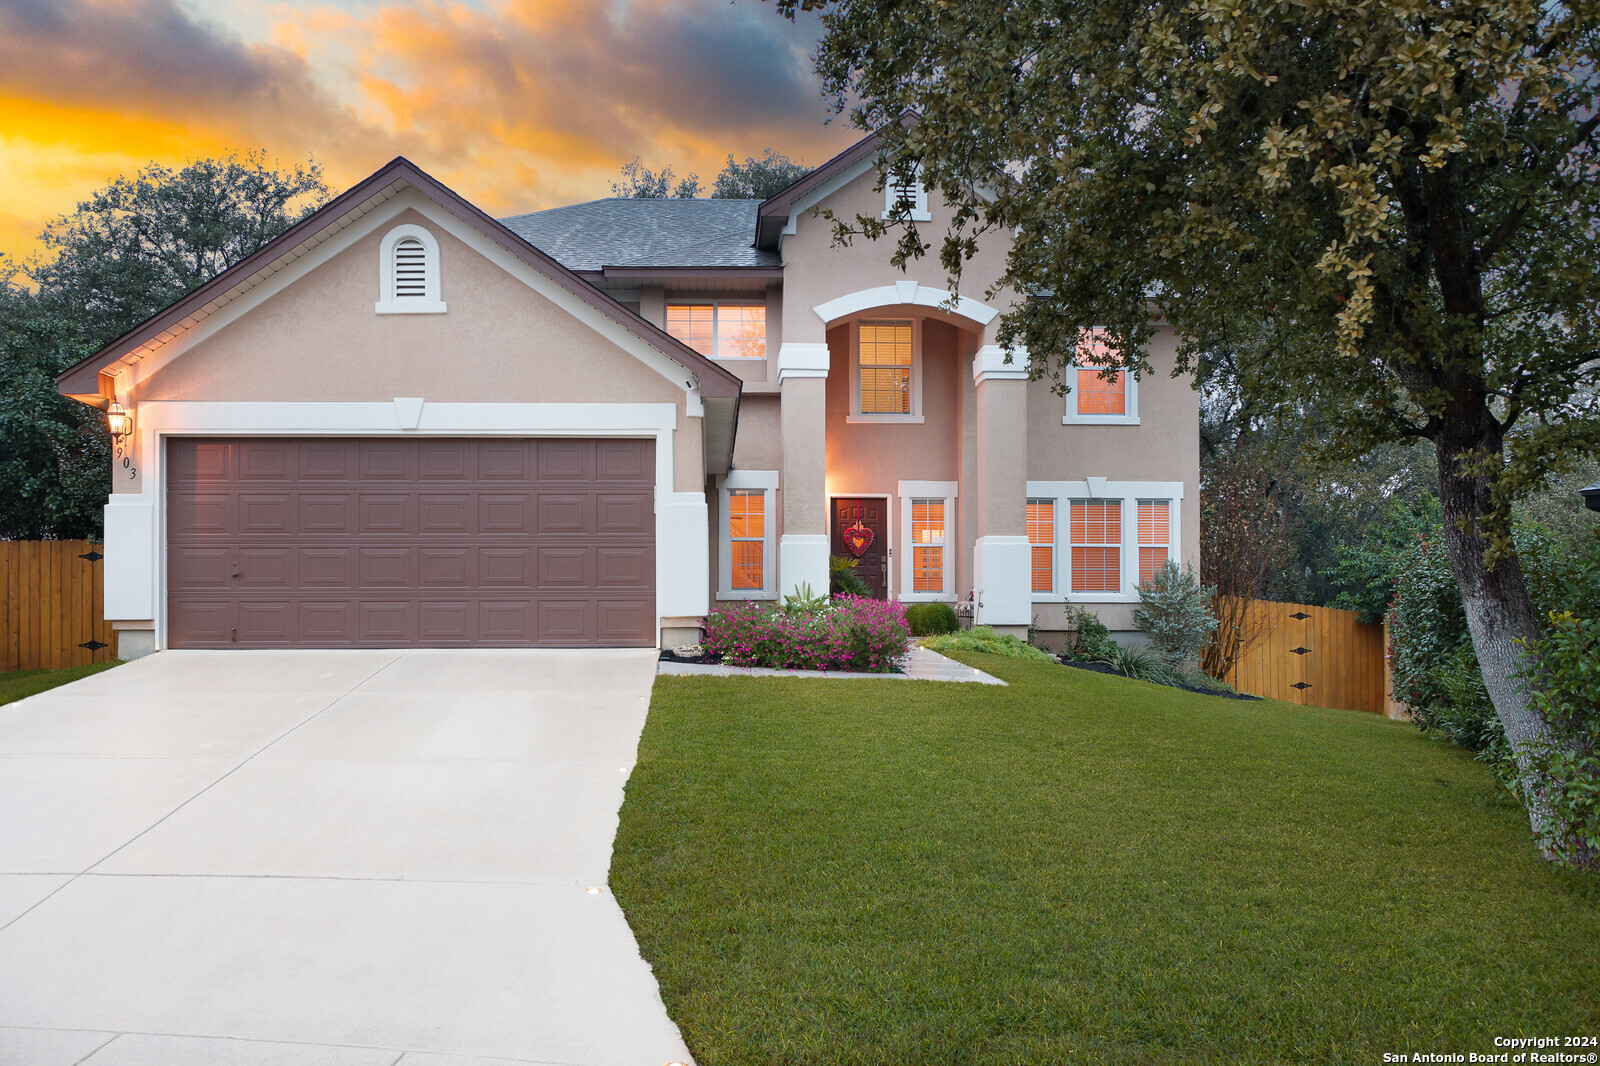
[(921, 665)]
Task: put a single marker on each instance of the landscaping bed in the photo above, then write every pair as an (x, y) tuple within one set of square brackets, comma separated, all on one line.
[(1082, 869)]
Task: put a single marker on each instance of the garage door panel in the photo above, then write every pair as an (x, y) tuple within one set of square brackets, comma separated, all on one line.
[(630, 461), (621, 567), (200, 622), (628, 514), (266, 622), (505, 460), (385, 513), (439, 512), (565, 460), (265, 568), (387, 622), (267, 513), (386, 568), (503, 513), (328, 460), (326, 568), (564, 513), (383, 460), (197, 568), (615, 619), (193, 513), (446, 568), (445, 621), (386, 543), (564, 568), (566, 621), (326, 512), (446, 460)]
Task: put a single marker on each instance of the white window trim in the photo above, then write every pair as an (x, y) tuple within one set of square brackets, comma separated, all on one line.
[(919, 212), (1129, 493), (927, 490), (767, 482), (716, 340), (855, 414), (1130, 417), (388, 303)]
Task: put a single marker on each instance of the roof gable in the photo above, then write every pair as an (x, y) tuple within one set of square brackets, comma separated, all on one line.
[(93, 379)]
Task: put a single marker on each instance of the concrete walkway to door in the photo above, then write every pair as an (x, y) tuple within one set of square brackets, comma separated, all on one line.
[(338, 858)]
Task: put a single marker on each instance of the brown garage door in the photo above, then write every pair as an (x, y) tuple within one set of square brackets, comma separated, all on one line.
[(331, 543)]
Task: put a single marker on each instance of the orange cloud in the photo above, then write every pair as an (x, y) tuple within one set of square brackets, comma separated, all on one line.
[(517, 104)]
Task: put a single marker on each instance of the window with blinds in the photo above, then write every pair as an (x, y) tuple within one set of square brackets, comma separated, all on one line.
[(1096, 545), (1041, 543), (1096, 394), (927, 545), (747, 533), (1155, 537), (884, 357), (719, 329)]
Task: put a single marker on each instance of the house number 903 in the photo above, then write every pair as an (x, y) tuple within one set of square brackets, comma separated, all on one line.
[(124, 458)]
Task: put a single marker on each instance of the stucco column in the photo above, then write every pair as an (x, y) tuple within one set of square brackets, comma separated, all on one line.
[(1001, 560), (803, 548)]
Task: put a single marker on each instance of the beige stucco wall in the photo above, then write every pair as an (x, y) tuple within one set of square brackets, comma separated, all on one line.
[(499, 342), (1164, 446), (815, 270)]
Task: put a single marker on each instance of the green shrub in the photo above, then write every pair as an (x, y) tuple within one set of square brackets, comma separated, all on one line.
[(1435, 670), (1175, 609), (1091, 640), (984, 639), (1141, 665), (843, 579), (1564, 673), (931, 619)]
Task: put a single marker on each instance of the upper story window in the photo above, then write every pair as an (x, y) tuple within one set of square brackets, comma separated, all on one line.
[(886, 372), (1098, 397), (720, 329), (906, 192), (408, 273)]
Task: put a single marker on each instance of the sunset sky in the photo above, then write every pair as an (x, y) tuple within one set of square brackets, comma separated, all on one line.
[(516, 104)]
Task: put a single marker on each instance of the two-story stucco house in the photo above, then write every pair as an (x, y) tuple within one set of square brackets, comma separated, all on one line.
[(405, 423)]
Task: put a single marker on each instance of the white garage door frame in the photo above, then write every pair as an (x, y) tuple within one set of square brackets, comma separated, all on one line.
[(136, 522)]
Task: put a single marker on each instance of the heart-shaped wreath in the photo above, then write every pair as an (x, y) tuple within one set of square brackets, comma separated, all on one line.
[(857, 539)]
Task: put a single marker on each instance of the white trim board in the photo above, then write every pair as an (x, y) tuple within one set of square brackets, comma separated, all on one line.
[(136, 534), (904, 292)]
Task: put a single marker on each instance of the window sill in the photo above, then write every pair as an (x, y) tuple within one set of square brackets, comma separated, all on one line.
[(1100, 420), (890, 420), (1087, 597), (410, 307), (926, 597), (746, 594)]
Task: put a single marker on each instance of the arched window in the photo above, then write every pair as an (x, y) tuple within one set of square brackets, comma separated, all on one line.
[(408, 266)]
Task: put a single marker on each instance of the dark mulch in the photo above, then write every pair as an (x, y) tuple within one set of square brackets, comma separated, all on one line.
[(703, 659), (1102, 668)]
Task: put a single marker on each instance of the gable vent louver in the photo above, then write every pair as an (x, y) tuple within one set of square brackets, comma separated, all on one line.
[(410, 269)]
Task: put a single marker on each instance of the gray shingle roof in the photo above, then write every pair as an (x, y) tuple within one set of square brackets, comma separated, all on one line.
[(646, 233)]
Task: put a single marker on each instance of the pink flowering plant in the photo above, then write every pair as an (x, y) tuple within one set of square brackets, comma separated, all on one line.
[(847, 633)]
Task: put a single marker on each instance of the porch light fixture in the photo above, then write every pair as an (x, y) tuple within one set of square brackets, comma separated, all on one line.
[(118, 421)]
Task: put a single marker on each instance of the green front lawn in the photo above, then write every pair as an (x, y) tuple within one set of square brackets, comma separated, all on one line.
[(1082, 868), (16, 684)]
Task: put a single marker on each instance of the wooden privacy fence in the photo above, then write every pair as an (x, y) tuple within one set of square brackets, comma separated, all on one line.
[(1317, 656), (52, 605)]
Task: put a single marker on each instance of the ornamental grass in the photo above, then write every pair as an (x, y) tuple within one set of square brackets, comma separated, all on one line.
[(852, 633)]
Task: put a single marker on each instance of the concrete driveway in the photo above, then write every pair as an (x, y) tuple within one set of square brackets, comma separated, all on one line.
[(339, 858)]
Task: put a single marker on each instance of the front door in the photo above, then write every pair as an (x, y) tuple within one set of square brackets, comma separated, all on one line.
[(874, 561)]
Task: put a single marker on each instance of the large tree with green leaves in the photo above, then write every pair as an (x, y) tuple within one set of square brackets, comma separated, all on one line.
[(129, 250), (1404, 194)]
